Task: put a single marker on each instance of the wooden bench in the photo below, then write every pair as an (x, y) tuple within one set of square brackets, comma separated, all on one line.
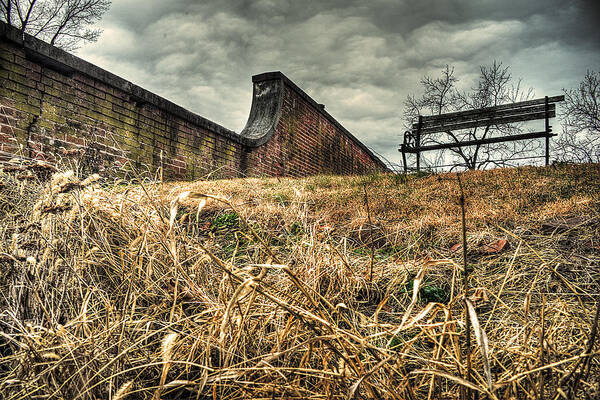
[(489, 117)]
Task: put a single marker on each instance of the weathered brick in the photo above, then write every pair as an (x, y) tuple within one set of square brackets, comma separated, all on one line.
[(32, 100), (6, 129), (5, 55)]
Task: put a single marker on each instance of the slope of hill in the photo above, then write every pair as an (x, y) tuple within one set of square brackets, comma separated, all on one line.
[(323, 287)]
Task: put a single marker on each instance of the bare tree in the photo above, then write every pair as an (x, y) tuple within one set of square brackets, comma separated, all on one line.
[(63, 23), (439, 96), (580, 139), (494, 87)]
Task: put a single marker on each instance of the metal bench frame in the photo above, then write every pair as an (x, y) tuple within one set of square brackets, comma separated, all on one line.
[(502, 115)]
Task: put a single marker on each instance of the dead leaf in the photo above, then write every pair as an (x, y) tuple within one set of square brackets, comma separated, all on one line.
[(479, 295), (563, 224), (495, 247)]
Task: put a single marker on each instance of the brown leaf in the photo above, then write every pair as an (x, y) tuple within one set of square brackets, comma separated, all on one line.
[(479, 295), (495, 247), (456, 247), (563, 224)]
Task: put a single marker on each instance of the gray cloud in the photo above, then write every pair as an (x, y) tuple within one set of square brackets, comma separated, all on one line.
[(359, 58)]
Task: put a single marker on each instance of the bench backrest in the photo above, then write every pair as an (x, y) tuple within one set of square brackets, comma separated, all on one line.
[(493, 117), (488, 116)]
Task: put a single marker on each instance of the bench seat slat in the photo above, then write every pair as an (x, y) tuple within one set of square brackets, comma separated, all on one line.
[(522, 136), (481, 116), (510, 106), (487, 122)]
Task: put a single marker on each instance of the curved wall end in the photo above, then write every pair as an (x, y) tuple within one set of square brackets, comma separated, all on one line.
[(265, 112), (289, 134)]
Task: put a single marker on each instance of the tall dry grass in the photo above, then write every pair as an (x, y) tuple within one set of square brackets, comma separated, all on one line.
[(300, 288)]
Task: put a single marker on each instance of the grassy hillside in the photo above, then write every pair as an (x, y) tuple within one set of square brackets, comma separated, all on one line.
[(323, 287)]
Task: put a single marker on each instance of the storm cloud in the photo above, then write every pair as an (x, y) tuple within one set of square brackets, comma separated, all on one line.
[(360, 58)]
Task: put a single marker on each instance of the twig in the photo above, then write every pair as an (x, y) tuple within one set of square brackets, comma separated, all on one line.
[(466, 391)]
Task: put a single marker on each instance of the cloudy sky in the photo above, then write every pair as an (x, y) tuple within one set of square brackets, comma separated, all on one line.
[(359, 57)]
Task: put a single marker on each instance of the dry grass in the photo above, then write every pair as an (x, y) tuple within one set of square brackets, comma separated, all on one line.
[(262, 288)]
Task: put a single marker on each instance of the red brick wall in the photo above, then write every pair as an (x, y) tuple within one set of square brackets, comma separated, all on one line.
[(59, 108), (82, 122), (308, 141)]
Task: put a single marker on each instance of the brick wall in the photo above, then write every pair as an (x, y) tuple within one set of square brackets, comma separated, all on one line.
[(306, 140), (57, 107)]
